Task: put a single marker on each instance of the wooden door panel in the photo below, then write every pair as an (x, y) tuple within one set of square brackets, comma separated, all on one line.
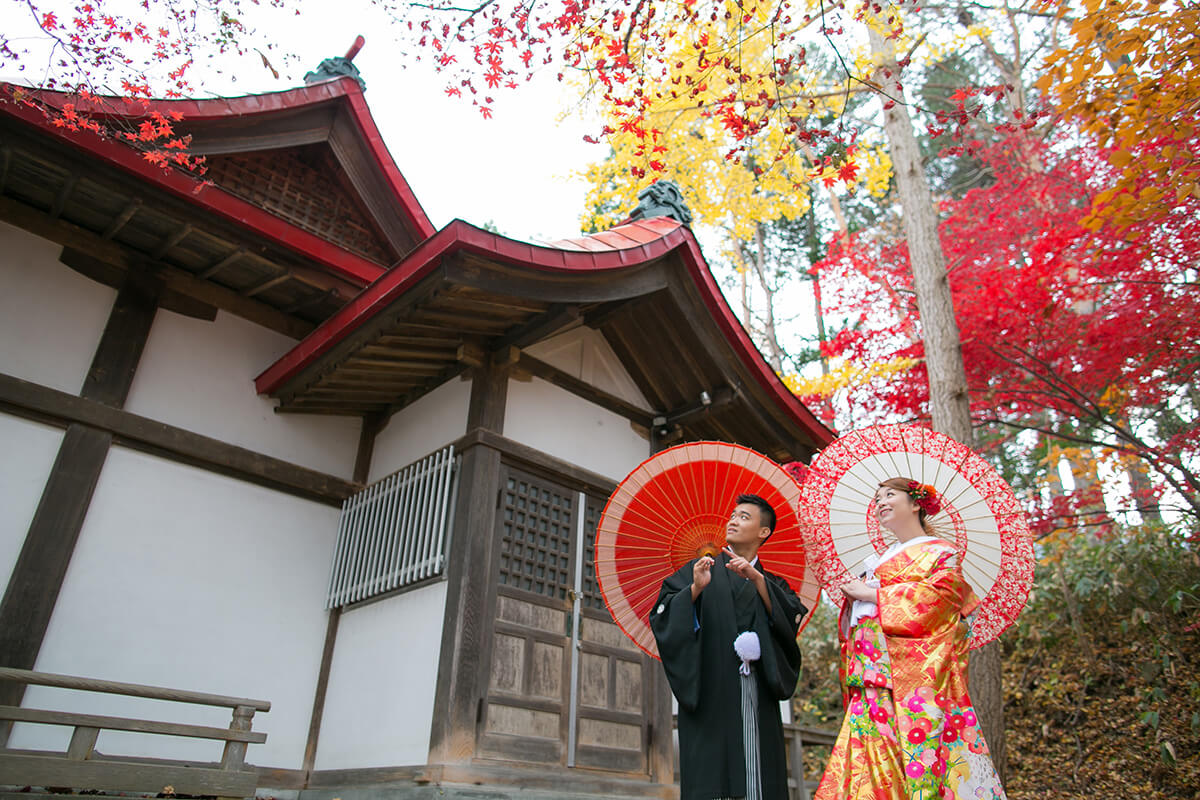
[(525, 712), (612, 724)]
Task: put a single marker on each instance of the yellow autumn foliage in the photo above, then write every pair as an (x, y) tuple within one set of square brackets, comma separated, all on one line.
[(1128, 77), (730, 181), (846, 376)]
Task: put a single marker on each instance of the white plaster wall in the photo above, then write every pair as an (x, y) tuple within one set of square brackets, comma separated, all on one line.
[(429, 424), (29, 452), (562, 424), (199, 375), (191, 580), (379, 703), (51, 317), (584, 353)]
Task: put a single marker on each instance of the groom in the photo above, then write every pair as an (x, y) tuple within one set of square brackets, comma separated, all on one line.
[(726, 632)]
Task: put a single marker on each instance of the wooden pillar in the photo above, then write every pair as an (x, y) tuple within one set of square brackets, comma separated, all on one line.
[(466, 640), (371, 426), (42, 564)]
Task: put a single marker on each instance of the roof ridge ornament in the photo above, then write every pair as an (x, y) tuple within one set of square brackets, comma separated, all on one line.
[(662, 199), (339, 67)]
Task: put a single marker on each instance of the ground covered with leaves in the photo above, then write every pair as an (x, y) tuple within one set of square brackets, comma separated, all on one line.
[(1101, 674)]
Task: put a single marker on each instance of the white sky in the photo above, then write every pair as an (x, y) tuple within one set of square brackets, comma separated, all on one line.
[(515, 170)]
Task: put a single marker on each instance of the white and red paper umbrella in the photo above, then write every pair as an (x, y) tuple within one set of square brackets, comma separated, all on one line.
[(674, 508), (980, 515)]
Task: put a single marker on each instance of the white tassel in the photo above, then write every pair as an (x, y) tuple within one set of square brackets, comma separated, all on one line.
[(748, 649)]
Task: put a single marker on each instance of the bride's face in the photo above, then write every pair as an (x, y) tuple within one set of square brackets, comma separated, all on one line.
[(894, 508)]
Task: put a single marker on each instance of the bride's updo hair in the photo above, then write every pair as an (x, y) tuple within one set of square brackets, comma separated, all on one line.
[(924, 496)]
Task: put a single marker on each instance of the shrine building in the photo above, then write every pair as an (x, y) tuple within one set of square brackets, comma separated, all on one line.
[(270, 434)]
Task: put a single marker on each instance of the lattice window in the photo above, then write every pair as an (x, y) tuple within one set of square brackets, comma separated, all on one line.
[(592, 597), (394, 532), (535, 546)]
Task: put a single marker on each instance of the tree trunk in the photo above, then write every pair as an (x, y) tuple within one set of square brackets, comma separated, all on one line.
[(949, 403), (775, 352)]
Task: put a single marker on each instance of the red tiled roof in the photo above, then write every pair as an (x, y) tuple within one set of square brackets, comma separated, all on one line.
[(625, 235)]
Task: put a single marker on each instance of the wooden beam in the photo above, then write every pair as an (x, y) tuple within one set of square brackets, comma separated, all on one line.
[(318, 707), (46, 553), (227, 261), (365, 334), (391, 340), (114, 276), (470, 573), (563, 472), (5, 163), (269, 283), (126, 724), (718, 399), (385, 352), (23, 770), (649, 380), (64, 195), (315, 298), (471, 354), (467, 323), (556, 317), (44, 404), (372, 424), (587, 391), (374, 368), (70, 235), (31, 678), (495, 279), (122, 219), (169, 243), (41, 566)]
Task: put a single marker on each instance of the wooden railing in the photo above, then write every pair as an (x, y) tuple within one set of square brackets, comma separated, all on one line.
[(80, 767), (795, 737)]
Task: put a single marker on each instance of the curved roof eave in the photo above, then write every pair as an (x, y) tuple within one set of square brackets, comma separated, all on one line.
[(665, 235), (201, 193)]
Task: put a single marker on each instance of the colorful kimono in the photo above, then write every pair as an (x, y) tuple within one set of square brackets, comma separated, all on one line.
[(910, 730)]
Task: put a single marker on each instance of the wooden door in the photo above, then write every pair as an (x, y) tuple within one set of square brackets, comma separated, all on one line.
[(525, 713), (565, 685), (612, 711)]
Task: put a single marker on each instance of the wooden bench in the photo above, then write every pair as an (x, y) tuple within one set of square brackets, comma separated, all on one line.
[(80, 767)]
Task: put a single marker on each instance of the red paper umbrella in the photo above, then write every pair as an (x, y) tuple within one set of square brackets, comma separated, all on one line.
[(979, 514), (674, 508)]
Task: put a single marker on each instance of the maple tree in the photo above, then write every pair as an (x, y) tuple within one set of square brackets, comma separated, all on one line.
[(1127, 76), (104, 60), (1083, 334)]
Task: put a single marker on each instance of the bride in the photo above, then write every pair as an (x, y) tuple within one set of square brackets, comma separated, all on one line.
[(910, 731)]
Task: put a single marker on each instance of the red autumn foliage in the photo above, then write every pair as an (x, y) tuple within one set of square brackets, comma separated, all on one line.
[(1084, 335), (146, 50)]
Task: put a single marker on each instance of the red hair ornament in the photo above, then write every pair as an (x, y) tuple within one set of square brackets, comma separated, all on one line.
[(926, 497)]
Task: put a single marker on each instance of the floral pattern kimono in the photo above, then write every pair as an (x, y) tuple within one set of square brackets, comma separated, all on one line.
[(910, 730)]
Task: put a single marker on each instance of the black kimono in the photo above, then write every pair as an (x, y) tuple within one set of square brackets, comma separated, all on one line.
[(696, 646)]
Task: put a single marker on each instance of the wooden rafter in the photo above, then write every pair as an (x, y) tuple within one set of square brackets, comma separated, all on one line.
[(64, 195), (175, 238), (5, 161), (225, 262), (122, 219), (269, 283)]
